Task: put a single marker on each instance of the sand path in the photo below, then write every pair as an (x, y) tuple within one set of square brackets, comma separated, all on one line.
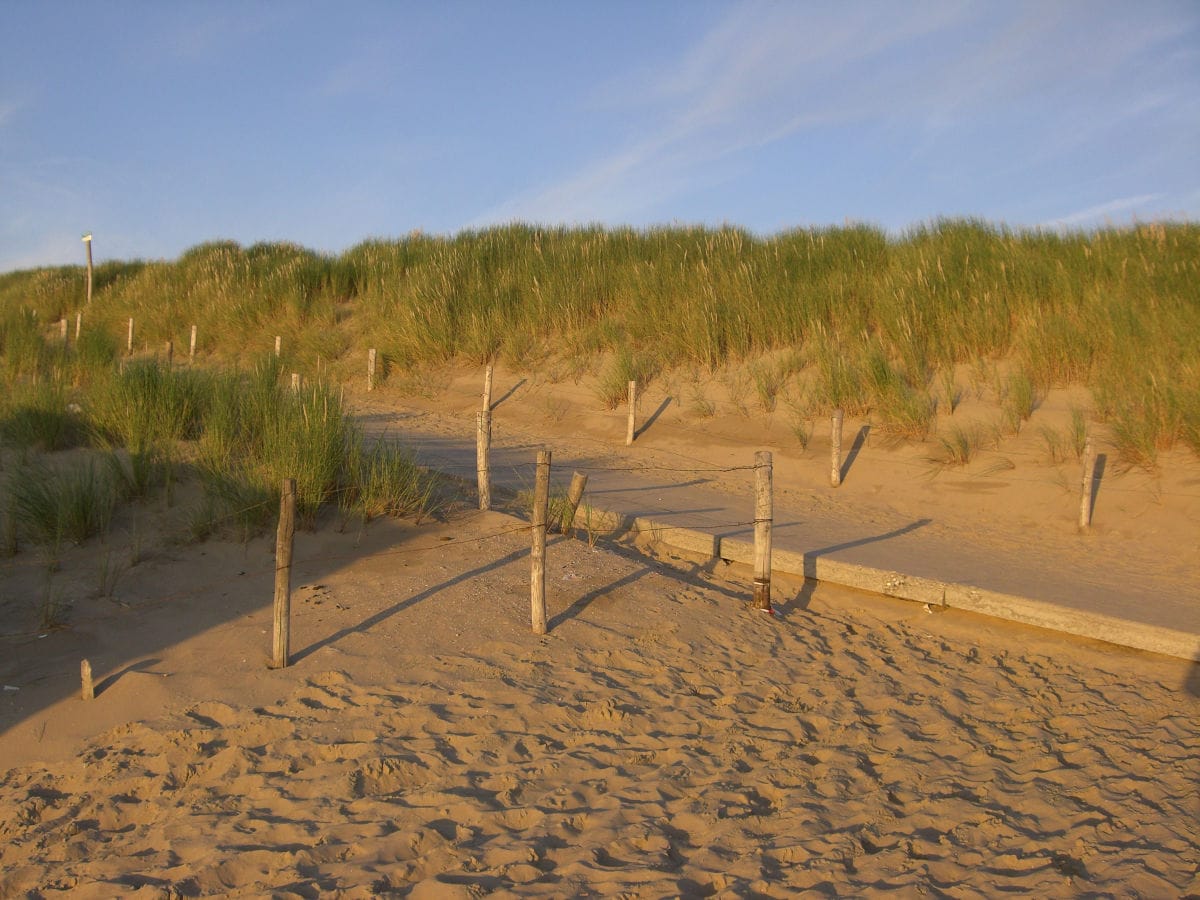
[(663, 740)]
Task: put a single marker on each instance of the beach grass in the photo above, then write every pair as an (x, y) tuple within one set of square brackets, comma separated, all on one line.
[(1112, 310)]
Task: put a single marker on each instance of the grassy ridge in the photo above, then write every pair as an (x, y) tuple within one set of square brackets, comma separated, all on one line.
[(875, 323)]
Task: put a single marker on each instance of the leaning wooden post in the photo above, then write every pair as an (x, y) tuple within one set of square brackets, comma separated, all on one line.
[(574, 495), (629, 428), (372, 356), (835, 449), (87, 690), (192, 345), (537, 579), (483, 446), (87, 240), (762, 530), (281, 640), (487, 388), (129, 339), (1085, 485)]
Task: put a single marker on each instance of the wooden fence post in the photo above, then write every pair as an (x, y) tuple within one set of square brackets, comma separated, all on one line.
[(63, 332), (574, 495), (629, 428), (487, 389), (78, 324), (278, 345), (537, 580), (170, 353), (281, 633), (295, 382), (87, 240), (372, 356), (86, 689), (1085, 485), (763, 516), (129, 340), (835, 449), (192, 345), (483, 446)]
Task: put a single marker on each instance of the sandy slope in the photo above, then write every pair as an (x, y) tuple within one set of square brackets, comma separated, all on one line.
[(662, 740)]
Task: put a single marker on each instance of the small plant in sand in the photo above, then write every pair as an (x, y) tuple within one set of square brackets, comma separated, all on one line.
[(626, 366), (52, 607), (1055, 444), (108, 573), (1078, 433), (700, 405), (960, 444), (556, 408), (769, 380), (1020, 400), (737, 386), (951, 392)]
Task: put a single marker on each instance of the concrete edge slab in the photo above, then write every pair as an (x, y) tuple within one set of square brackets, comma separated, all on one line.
[(1039, 613)]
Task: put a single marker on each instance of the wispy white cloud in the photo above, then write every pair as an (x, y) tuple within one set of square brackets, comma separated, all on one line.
[(1125, 209), (762, 74), (767, 73)]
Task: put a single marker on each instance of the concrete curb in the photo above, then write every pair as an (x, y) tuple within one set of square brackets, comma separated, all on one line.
[(1041, 614)]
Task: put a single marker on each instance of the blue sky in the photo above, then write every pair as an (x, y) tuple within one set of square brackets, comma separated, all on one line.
[(160, 125)]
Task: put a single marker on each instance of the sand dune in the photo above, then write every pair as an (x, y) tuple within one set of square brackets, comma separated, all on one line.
[(663, 740)]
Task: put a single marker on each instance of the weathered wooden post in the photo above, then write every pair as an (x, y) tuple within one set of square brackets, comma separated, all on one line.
[(78, 324), (629, 428), (483, 446), (835, 449), (87, 241), (763, 516), (278, 345), (284, 539), (87, 690), (63, 332), (372, 356), (1085, 485), (192, 345), (296, 383), (487, 389), (574, 495), (537, 580), (170, 350)]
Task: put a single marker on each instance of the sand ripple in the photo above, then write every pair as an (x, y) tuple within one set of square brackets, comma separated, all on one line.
[(736, 756)]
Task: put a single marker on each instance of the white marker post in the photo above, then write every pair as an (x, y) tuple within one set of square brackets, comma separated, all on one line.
[(87, 240)]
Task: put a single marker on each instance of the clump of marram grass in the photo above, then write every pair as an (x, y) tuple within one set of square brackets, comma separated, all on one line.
[(959, 444), (148, 404), (39, 416), (52, 505), (384, 480), (626, 366)]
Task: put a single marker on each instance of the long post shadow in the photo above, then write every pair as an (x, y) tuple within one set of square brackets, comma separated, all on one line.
[(653, 418), (859, 440), (512, 390), (1094, 487), (384, 614), (810, 557)]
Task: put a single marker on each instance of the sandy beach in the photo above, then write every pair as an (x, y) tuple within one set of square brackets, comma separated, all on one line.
[(662, 740)]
